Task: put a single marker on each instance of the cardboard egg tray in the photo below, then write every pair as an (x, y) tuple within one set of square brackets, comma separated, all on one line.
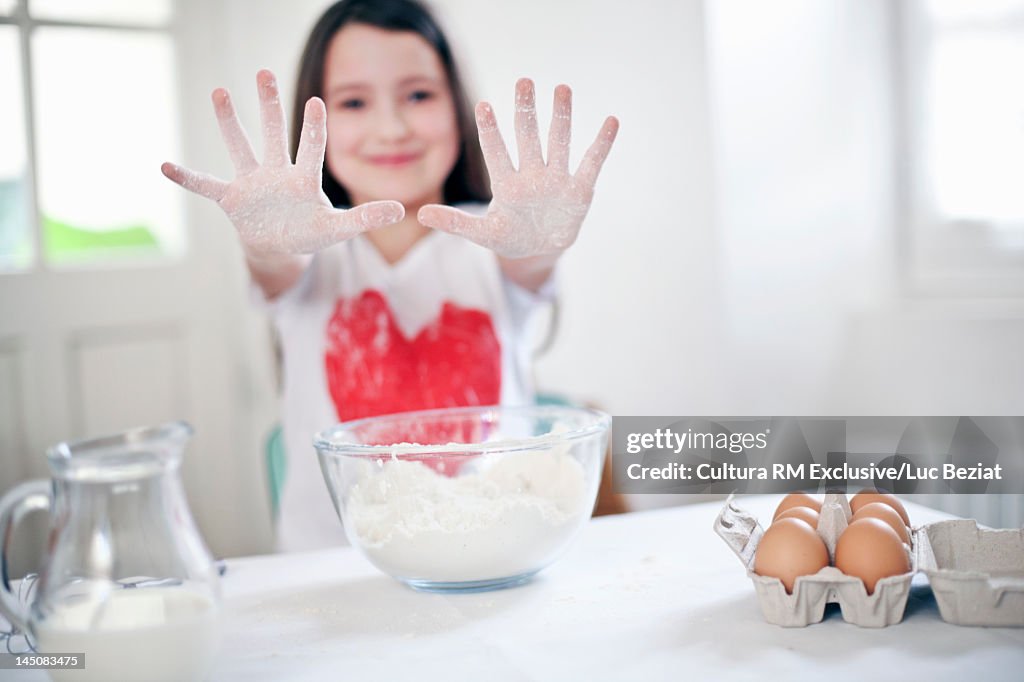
[(976, 574)]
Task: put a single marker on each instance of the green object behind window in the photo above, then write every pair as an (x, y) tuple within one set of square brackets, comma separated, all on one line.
[(64, 242)]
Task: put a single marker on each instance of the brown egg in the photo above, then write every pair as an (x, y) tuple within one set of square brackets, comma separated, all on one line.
[(803, 513), (788, 549), (877, 510), (870, 550), (797, 500), (867, 496)]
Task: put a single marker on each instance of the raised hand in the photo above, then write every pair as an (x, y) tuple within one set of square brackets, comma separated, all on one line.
[(279, 207), (538, 209)]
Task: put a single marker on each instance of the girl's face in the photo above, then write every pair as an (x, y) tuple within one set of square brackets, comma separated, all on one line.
[(391, 126)]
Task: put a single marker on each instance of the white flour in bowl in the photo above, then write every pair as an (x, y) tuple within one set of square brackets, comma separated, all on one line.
[(508, 517)]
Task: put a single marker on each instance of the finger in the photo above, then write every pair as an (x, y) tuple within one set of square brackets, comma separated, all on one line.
[(313, 140), (275, 143), (200, 183), (341, 225), (491, 143), (598, 152), (239, 148), (560, 132), (527, 137), (451, 220)]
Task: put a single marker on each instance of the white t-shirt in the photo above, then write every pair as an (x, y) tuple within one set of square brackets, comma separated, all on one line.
[(361, 337)]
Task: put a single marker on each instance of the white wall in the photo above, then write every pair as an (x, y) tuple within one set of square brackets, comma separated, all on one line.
[(804, 175)]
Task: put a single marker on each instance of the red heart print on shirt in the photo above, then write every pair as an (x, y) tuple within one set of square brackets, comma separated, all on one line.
[(373, 369)]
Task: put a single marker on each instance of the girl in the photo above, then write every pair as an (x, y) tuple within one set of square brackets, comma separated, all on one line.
[(386, 297)]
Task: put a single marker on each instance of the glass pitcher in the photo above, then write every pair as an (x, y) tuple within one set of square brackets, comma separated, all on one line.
[(127, 579)]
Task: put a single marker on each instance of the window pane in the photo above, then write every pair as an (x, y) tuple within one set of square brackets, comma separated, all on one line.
[(150, 12), (7, 6), (104, 122), (15, 228), (975, 128)]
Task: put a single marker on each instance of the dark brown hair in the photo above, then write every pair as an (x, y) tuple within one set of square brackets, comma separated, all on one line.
[(468, 180)]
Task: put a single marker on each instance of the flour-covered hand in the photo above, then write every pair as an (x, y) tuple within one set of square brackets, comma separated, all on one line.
[(278, 207), (538, 209)]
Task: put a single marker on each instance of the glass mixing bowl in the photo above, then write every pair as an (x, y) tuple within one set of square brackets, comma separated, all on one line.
[(465, 499)]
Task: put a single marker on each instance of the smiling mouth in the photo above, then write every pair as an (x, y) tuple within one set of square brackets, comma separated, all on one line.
[(393, 159)]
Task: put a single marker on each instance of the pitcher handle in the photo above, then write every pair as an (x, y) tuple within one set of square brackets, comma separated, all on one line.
[(18, 502)]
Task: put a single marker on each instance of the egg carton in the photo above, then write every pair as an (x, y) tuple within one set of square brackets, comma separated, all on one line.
[(976, 574)]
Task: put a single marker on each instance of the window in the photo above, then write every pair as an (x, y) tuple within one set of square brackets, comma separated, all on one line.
[(963, 143), (96, 81)]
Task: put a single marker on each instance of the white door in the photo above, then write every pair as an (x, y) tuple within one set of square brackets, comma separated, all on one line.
[(122, 300)]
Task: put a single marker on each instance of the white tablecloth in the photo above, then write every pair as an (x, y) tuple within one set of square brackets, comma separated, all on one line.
[(650, 596)]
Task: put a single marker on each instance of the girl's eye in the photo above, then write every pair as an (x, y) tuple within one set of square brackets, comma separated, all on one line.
[(352, 103), (420, 95)]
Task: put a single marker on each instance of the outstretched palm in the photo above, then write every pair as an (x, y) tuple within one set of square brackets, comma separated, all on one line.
[(539, 208), (278, 206)]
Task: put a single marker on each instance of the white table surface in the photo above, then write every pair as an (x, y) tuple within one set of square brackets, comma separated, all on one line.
[(652, 596)]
